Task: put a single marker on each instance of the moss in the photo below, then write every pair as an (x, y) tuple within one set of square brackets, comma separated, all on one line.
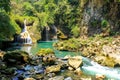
[(43, 52)]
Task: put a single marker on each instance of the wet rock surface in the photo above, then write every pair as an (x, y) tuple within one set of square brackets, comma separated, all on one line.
[(36, 69)]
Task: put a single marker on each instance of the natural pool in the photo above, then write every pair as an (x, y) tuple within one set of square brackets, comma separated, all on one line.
[(89, 67)]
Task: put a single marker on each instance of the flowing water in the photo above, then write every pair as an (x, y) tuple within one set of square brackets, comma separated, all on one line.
[(89, 67)]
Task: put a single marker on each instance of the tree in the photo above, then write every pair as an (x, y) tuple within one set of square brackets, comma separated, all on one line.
[(5, 5)]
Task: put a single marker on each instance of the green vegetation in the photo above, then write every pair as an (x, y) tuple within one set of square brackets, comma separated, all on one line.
[(104, 23), (8, 27), (43, 52), (5, 5), (66, 15)]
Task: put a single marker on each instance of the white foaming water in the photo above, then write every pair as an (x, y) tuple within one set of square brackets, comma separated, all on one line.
[(94, 68)]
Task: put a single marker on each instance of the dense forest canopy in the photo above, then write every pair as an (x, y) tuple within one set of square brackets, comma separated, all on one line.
[(73, 17)]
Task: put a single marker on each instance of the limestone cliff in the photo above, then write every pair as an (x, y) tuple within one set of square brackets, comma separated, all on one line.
[(99, 17)]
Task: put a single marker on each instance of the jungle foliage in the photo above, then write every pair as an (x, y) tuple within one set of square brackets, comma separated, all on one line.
[(64, 14)]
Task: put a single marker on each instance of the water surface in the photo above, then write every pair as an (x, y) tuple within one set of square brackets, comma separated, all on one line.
[(89, 67)]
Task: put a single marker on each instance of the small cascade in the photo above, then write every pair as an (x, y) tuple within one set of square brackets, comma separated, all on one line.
[(45, 34), (49, 33), (54, 33), (24, 36)]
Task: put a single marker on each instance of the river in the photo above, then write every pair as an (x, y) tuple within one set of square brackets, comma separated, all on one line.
[(89, 67)]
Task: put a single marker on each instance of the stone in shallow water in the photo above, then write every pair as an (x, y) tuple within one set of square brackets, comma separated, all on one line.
[(54, 68), (78, 71), (75, 62), (38, 76), (29, 79), (68, 78), (70, 68), (2, 65), (57, 78), (99, 76)]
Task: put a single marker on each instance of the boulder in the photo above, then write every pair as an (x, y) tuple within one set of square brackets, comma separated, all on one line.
[(54, 68), (16, 57), (49, 59), (75, 62)]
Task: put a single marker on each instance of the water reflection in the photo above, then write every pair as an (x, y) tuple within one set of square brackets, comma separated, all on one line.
[(27, 49)]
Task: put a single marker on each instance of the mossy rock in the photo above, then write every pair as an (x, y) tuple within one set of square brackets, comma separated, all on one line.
[(44, 52), (61, 35), (67, 45), (16, 57)]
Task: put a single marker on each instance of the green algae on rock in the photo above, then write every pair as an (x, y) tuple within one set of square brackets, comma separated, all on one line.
[(43, 52)]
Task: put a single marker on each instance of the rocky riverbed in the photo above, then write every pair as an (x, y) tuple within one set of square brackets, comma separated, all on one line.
[(103, 50), (19, 65)]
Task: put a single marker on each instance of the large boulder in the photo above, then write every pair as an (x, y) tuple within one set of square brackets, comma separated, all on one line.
[(16, 57), (75, 62), (49, 59), (48, 56)]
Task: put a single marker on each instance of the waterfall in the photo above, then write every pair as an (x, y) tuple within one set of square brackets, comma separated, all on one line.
[(46, 33), (25, 27), (49, 33), (55, 33), (24, 37)]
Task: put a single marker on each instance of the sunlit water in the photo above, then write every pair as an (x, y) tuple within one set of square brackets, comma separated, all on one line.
[(89, 67)]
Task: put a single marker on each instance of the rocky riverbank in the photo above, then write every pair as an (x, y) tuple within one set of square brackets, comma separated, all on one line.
[(104, 51), (19, 65)]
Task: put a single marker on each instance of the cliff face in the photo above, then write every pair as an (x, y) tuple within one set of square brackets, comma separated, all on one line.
[(99, 17)]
